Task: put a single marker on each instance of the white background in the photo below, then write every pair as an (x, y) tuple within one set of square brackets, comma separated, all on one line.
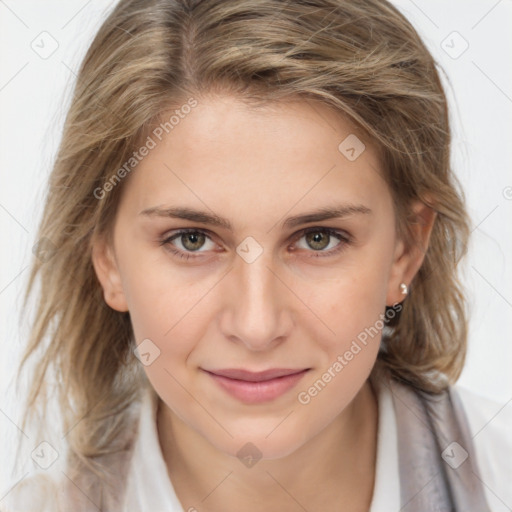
[(34, 93)]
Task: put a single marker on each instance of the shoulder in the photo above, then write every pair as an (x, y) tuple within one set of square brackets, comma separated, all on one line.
[(490, 426), (489, 420), (41, 491), (56, 490)]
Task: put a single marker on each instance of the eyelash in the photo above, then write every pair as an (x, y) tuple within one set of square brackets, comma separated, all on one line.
[(342, 236)]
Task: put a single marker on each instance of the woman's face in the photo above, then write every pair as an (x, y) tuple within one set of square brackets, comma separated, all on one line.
[(247, 288)]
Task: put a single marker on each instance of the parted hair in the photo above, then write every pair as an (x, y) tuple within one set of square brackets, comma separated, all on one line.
[(363, 58)]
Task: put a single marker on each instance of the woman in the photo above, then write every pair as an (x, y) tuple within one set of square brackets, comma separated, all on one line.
[(252, 300)]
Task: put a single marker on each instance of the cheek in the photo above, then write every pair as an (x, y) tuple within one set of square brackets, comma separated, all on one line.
[(158, 293), (162, 305), (169, 317), (165, 315), (352, 299), (353, 310), (353, 307)]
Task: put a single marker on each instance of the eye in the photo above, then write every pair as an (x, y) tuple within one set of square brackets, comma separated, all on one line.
[(321, 241), (190, 240)]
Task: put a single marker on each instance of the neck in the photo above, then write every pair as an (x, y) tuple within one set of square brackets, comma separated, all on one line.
[(339, 461)]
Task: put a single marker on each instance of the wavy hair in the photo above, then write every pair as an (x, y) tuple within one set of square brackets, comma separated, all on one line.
[(362, 58)]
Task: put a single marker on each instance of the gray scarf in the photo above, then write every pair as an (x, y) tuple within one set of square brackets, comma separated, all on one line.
[(433, 441), (436, 455)]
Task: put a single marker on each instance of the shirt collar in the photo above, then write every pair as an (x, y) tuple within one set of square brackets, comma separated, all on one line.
[(150, 488)]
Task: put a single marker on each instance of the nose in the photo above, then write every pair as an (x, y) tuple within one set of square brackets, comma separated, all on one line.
[(257, 306)]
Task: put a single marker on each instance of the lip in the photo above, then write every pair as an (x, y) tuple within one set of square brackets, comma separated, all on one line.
[(257, 387)]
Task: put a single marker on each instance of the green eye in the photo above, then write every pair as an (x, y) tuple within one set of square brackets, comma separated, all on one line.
[(319, 241)]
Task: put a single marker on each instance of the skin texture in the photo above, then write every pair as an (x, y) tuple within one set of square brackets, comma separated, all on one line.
[(289, 308)]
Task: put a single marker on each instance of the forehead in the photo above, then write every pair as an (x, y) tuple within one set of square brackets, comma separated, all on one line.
[(226, 153)]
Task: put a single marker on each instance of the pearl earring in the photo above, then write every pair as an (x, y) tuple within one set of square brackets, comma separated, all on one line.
[(404, 289)]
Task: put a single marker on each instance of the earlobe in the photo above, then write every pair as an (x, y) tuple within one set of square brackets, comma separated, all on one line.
[(107, 271), (409, 256)]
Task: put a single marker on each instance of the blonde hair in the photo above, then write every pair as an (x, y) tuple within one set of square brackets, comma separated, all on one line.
[(362, 58)]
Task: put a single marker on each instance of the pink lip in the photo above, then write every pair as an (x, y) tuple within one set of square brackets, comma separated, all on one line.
[(257, 387)]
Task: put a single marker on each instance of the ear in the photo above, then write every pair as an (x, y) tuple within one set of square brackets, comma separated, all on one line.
[(409, 256), (107, 271)]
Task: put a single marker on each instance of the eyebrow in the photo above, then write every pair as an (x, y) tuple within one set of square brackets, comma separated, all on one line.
[(203, 217)]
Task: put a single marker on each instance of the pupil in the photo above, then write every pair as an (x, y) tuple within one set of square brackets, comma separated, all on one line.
[(315, 240), (192, 241)]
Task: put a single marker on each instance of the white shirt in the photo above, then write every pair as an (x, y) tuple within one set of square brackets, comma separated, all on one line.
[(149, 488)]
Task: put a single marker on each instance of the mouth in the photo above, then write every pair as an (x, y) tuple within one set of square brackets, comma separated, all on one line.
[(256, 387)]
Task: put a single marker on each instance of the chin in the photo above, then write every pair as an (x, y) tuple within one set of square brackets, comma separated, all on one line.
[(262, 443)]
